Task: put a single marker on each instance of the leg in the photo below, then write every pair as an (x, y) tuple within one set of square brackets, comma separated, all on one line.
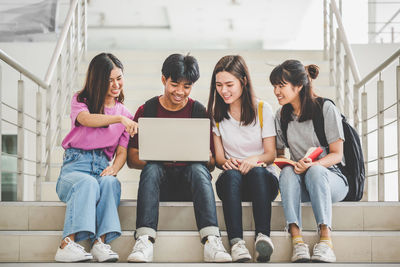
[(291, 193), (261, 187), (108, 224), (229, 190), (75, 189), (324, 188), (199, 179), (149, 199)]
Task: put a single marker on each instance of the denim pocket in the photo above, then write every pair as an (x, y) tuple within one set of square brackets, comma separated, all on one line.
[(71, 156)]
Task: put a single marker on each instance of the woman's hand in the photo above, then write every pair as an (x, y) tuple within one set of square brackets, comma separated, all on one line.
[(130, 125), (231, 164), (247, 164), (302, 165), (109, 171)]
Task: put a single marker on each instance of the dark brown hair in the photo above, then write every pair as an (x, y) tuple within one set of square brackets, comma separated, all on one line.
[(217, 108), (97, 82), (294, 72)]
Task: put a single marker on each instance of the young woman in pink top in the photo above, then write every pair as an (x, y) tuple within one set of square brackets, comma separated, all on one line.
[(100, 128)]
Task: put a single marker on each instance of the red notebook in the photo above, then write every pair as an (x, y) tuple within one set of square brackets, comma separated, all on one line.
[(312, 153)]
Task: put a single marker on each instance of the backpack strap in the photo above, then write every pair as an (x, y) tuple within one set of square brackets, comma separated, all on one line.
[(198, 110), (150, 107), (260, 113), (319, 123)]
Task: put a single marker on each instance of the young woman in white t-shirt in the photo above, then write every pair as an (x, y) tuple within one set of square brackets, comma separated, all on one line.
[(242, 145)]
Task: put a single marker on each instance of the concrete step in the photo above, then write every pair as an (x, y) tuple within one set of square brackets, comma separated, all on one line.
[(176, 264), (213, 55), (171, 246), (174, 216)]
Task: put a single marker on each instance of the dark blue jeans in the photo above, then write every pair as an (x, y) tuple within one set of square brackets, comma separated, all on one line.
[(258, 186), (181, 183)]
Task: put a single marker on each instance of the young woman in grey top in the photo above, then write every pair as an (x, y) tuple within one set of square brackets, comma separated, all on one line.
[(321, 181)]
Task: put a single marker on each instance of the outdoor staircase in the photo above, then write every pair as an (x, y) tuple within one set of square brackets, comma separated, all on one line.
[(363, 232)]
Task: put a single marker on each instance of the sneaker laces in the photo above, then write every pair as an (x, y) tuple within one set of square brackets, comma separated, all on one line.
[(141, 244), (217, 244), (241, 244), (104, 246), (300, 248), (74, 245), (321, 248)]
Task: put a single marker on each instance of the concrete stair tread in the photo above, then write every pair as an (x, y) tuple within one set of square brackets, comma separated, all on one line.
[(185, 246), (175, 216)]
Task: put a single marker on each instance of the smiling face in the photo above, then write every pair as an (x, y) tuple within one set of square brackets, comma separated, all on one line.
[(287, 93), (116, 83), (228, 87), (176, 93)]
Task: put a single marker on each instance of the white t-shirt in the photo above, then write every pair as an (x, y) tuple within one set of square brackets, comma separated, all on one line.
[(241, 141)]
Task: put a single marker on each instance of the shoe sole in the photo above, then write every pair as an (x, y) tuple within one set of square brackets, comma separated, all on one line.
[(109, 260), (61, 260), (264, 250), (301, 260), (242, 260), (321, 261)]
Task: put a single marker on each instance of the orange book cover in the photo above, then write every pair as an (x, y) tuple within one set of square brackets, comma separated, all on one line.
[(312, 153)]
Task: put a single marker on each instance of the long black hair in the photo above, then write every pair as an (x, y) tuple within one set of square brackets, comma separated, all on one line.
[(294, 72), (97, 82), (217, 108)]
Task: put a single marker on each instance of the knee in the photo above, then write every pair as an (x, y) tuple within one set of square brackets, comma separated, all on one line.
[(199, 171), (109, 181), (229, 178), (287, 176), (152, 172), (316, 175)]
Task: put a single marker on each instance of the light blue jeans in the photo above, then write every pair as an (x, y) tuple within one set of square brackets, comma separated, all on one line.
[(92, 200), (320, 185)]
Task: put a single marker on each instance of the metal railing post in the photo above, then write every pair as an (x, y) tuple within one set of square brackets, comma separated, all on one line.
[(398, 126), (39, 147), (346, 87), (339, 91), (381, 140), (364, 139), (20, 142), (331, 48), (1, 133), (325, 29), (49, 94)]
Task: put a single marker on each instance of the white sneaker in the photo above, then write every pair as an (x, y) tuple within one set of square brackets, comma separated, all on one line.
[(239, 252), (264, 248), (301, 253), (142, 250), (72, 252), (102, 252), (214, 250), (322, 252)]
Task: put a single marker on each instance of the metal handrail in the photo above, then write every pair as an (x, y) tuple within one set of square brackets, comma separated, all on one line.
[(387, 23), (349, 51), (378, 69), (18, 66), (60, 43), (54, 59)]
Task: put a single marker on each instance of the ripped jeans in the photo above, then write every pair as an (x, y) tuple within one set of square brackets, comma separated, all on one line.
[(320, 185)]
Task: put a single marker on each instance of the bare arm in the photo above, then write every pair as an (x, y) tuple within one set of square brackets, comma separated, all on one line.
[(133, 159), (118, 163), (100, 120), (335, 156)]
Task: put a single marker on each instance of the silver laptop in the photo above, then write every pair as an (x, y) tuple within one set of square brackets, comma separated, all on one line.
[(173, 139)]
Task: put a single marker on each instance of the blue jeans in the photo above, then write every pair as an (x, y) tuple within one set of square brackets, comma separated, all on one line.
[(258, 186), (320, 185), (178, 183), (92, 200)]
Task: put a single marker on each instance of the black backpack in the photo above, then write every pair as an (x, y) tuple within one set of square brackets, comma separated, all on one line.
[(150, 109), (352, 152)]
